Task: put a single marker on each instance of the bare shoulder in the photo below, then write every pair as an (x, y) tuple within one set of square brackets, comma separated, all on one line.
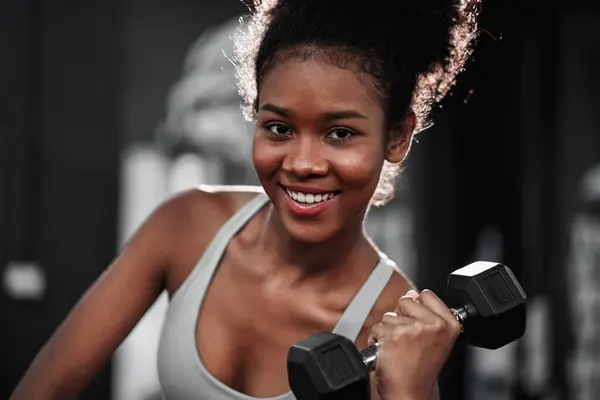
[(225, 197), (195, 216), (209, 203), (236, 190)]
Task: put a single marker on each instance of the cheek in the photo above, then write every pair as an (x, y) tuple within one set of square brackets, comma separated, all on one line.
[(265, 158), (359, 169)]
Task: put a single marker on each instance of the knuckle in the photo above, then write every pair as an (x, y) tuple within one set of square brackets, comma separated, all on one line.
[(411, 332), (375, 329), (398, 334), (418, 328), (439, 326)]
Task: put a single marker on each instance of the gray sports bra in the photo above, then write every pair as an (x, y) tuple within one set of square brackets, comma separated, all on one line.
[(181, 372)]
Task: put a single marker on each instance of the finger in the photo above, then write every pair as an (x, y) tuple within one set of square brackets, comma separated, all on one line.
[(412, 294), (435, 304), (392, 318), (408, 307), (377, 333), (383, 330)]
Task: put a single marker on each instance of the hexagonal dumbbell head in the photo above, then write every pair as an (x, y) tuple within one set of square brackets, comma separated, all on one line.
[(494, 300), (327, 366)]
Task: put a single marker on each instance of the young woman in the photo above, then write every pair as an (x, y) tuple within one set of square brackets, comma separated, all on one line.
[(337, 89)]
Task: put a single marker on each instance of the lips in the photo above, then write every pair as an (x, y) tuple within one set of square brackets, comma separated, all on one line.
[(309, 197), (309, 202)]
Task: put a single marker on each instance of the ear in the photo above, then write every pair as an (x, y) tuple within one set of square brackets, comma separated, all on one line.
[(401, 139)]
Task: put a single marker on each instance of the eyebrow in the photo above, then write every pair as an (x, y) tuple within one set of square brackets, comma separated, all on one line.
[(335, 115)]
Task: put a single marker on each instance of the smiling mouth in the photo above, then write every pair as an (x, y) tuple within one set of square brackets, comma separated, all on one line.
[(308, 199)]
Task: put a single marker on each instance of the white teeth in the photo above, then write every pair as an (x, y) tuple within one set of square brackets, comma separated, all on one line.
[(309, 198)]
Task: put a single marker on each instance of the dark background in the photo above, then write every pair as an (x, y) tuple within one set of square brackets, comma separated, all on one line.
[(81, 81)]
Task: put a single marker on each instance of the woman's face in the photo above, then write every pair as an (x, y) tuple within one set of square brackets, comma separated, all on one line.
[(319, 146)]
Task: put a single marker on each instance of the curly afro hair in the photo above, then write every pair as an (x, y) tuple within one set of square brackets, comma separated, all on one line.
[(414, 48)]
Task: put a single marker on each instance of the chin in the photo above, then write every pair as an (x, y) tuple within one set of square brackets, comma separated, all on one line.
[(309, 224), (314, 232)]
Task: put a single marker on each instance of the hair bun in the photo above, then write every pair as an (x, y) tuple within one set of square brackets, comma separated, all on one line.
[(427, 40), (381, 22)]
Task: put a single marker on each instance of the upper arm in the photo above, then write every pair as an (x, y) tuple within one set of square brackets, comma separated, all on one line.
[(106, 313)]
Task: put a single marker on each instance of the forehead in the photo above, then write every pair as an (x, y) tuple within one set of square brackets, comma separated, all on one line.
[(306, 84)]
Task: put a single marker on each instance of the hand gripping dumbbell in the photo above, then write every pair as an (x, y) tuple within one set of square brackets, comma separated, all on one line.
[(485, 297)]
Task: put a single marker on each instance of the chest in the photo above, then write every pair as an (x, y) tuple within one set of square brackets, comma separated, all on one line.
[(245, 329)]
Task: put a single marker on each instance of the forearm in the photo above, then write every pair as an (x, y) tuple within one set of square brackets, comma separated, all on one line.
[(47, 378), (37, 386), (34, 386), (435, 395), (33, 390)]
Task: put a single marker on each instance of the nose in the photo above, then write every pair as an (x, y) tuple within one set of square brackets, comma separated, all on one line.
[(304, 158)]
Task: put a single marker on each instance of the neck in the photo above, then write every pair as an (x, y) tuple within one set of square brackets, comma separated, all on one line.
[(304, 260)]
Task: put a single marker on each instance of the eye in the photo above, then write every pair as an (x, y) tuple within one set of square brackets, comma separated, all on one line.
[(277, 130), (340, 134)]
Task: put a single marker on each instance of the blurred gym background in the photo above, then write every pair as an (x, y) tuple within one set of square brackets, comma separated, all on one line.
[(109, 106)]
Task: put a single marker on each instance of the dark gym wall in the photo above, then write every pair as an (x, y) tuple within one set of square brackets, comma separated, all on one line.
[(60, 81), (78, 82), (512, 157)]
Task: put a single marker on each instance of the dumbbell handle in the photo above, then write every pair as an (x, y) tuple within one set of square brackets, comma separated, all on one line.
[(369, 355)]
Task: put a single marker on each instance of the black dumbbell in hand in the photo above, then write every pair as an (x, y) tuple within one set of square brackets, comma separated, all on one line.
[(485, 297)]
